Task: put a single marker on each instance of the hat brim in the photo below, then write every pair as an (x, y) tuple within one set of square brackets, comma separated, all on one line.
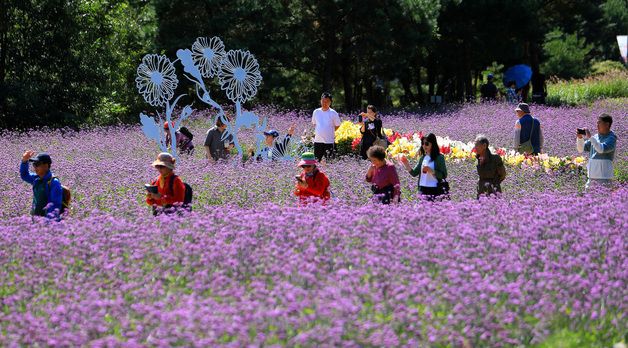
[(162, 163), (307, 163)]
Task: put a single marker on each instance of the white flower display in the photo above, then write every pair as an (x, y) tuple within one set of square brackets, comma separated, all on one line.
[(156, 79), (208, 55), (239, 75)]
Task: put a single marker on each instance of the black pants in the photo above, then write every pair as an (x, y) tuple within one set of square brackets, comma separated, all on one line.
[(324, 150), (385, 194), (430, 193)]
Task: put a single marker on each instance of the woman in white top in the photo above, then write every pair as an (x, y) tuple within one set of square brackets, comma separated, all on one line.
[(431, 167)]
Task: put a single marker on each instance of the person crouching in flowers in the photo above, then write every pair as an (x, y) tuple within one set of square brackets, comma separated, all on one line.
[(383, 176), (491, 170), (311, 184), (431, 168), (170, 189)]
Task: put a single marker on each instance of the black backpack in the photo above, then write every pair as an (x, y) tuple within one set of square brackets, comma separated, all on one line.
[(186, 132)]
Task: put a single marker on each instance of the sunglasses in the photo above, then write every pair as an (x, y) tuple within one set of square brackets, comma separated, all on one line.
[(307, 166), (159, 166), (37, 164), (425, 144)]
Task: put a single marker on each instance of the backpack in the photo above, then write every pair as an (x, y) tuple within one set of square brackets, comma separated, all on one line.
[(67, 195), (187, 197), (186, 132)]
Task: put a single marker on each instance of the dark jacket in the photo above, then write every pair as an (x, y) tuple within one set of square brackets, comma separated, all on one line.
[(440, 169), (491, 174), (526, 123), (370, 135)]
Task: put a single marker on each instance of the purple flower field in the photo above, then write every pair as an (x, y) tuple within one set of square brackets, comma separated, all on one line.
[(545, 265)]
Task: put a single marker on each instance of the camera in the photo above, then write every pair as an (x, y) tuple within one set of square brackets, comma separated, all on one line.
[(359, 118), (582, 131)]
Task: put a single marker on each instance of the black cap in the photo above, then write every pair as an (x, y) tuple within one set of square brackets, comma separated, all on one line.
[(326, 95), (41, 157)]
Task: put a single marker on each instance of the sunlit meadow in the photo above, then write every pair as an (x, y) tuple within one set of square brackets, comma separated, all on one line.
[(544, 265)]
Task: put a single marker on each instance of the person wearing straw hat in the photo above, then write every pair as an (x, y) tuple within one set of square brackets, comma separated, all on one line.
[(311, 184), (170, 189)]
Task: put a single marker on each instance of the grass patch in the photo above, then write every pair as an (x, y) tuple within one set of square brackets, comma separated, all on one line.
[(612, 84)]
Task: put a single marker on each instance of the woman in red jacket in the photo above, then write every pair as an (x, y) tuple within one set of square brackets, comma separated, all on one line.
[(170, 188), (312, 184)]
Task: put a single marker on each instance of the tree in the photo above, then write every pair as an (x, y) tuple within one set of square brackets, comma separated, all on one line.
[(566, 55), (62, 62)]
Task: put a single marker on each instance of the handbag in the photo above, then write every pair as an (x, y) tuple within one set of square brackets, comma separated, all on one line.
[(527, 146), (380, 140), (443, 187)]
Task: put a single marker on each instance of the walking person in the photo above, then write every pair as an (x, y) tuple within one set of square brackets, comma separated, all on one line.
[(326, 121), (601, 148), (371, 129), (383, 177), (430, 168), (47, 189), (217, 148), (490, 167), (528, 133)]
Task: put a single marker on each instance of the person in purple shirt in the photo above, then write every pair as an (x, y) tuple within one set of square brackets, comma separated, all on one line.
[(383, 176)]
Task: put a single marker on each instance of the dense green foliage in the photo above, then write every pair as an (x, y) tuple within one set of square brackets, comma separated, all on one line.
[(73, 62), (566, 54), (70, 62)]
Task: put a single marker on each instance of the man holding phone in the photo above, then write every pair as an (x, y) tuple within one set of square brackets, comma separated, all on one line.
[(601, 148)]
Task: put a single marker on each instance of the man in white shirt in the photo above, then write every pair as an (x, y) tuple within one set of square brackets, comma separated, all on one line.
[(326, 122)]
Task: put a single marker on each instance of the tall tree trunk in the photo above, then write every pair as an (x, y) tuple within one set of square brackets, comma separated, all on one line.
[(345, 57), (419, 89), (368, 86), (406, 83), (330, 58), (466, 75), (431, 75)]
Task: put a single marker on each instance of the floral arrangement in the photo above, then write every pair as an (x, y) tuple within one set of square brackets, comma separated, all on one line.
[(410, 145), (348, 138)]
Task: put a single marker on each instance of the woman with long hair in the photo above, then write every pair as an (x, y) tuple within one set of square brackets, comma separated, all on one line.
[(431, 168)]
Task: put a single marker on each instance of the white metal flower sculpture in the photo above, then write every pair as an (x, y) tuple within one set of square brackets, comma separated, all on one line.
[(208, 55), (239, 76), (156, 79)]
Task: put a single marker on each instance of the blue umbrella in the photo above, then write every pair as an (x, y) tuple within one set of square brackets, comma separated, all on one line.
[(521, 74)]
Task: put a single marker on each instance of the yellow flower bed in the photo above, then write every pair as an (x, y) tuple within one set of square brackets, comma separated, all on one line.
[(350, 131)]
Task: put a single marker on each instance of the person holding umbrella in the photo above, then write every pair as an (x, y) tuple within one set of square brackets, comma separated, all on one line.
[(520, 76)]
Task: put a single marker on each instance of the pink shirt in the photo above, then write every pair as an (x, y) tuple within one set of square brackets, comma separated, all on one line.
[(384, 176)]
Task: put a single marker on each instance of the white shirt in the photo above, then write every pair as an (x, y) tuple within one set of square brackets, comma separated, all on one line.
[(326, 123), (427, 179)]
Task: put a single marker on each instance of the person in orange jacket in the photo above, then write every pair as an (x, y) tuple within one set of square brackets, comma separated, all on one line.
[(311, 184), (170, 188)]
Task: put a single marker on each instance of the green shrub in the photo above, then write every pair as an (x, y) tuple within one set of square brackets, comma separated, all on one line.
[(566, 55), (607, 66)]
